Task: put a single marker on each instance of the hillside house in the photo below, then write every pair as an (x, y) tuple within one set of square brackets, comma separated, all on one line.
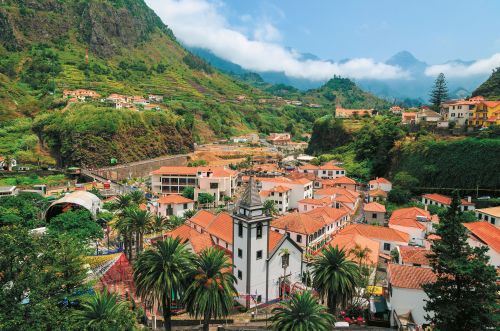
[(485, 234), (491, 215), (444, 201), (174, 204), (280, 195), (427, 116), (458, 111), (387, 238), (409, 117), (374, 213), (350, 113), (416, 222), (380, 183), (299, 188), (329, 170), (279, 138)]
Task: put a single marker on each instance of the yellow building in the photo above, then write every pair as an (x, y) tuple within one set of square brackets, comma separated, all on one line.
[(486, 114)]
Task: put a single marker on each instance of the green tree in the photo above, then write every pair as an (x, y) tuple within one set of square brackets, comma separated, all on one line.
[(104, 311), (270, 207), (125, 228), (189, 213), (328, 133), (399, 196), (78, 224), (439, 92), (335, 277), (188, 192), (123, 201), (37, 274), (141, 221), (137, 197), (464, 294), (159, 274), (205, 198), (211, 292), (301, 312), (405, 181)]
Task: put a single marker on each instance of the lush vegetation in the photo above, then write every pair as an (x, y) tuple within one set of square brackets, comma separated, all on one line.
[(439, 92), (464, 276), (25, 210), (490, 89), (79, 224)]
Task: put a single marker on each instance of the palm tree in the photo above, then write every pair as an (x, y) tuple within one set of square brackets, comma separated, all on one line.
[(189, 213), (159, 224), (211, 292), (123, 201), (137, 197), (141, 221), (335, 277), (270, 208), (360, 253), (124, 226), (159, 273), (104, 311), (301, 312)]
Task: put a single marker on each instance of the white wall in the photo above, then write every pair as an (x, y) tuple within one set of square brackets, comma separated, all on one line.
[(404, 299), (417, 235), (297, 193), (293, 271), (494, 255), (177, 209)]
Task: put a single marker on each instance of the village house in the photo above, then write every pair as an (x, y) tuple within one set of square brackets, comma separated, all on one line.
[(311, 230), (408, 117), (8, 191), (329, 170), (279, 138), (340, 197), (387, 238), (396, 110), (427, 116), (350, 113), (342, 182), (139, 100), (444, 201), (487, 113), (299, 188), (416, 222), (280, 195), (376, 195), (406, 295), (216, 181), (491, 215), (413, 256), (155, 98), (485, 234), (458, 111), (81, 94), (258, 262), (380, 183), (310, 204), (374, 213), (195, 241), (350, 241), (173, 204)]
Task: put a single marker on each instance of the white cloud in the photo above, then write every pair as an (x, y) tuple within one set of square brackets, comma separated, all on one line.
[(457, 69), (199, 23)]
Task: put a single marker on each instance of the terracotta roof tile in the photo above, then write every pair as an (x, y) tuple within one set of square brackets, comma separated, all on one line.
[(317, 202), (298, 222), (174, 199), (284, 180), (202, 218), (408, 217), (183, 231), (379, 180), (376, 232), (377, 193), (200, 242), (334, 214), (414, 255), (494, 211), (193, 171), (274, 239), (349, 242), (446, 200), (404, 276), (487, 233), (222, 227), (374, 207)]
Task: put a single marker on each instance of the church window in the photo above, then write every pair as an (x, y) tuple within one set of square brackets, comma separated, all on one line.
[(259, 230), (240, 229), (259, 255)]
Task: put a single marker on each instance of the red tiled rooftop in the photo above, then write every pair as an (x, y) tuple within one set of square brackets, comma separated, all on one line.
[(414, 255), (298, 223), (445, 200), (376, 232), (174, 199), (222, 227), (374, 207), (487, 233), (274, 239), (349, 241), (202, 218), (411, 277), (379, 180), (408, 217)]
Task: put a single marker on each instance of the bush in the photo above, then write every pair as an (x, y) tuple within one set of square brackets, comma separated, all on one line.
[(399, 196)]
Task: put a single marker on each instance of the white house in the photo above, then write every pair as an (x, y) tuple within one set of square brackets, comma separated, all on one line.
[(416, 222), (341, 197), (444, 201), (406, 296), (374, 213), (8, 190), (485, 234), (413, 256), (309, 204), (328, 170), (301, 188), (280, 195), (216, 181), (174, 204), (380, 183), (458, 111), (491, 215), (259, 265), (387, 238)]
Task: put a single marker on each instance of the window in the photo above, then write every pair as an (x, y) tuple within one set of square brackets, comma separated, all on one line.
[(374, 215), (259, 255), (387, 247), (185, 206), (240, 274), (240, 230), (452, 114), (299, 238), (240, 253), (214, 185), (492, 221), (259, 298), (259, 230)]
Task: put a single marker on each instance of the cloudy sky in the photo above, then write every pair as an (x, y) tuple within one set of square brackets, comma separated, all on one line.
[(269, 35)]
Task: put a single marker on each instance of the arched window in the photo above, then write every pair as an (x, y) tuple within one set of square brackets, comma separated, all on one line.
[(259, 230)]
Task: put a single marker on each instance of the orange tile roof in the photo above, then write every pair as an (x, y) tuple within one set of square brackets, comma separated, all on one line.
[(414, 255), (379, 180), (200, 242), (317, 202), (405, 276), (331, 214), (446, 200), (487, 233), (376, 232), (174, 199), (264, 193), (183, 231), (284, 180), (280, 189), (337, 191), (297, 175), (342, 180), (222, 227), (408, 217), (193, 171), (274, 239), (298, 223), (494, 211), (375, 207), (349, 242), (377, 193), (330, 166), (202, 218)]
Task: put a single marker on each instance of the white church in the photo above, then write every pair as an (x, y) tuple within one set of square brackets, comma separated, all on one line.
[(266, 263)]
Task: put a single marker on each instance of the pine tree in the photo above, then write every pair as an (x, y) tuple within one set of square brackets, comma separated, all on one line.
[(463, 297), (439, 92)]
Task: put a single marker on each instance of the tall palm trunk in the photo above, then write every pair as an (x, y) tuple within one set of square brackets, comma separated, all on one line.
[(141, 241), (332, 302), (167, 315), (137, 244)]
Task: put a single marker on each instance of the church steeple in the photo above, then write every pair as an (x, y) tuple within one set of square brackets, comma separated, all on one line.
[(250, 205)]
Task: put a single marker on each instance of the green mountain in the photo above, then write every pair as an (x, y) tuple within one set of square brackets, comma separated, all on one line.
[(490, 89), (120, 46)]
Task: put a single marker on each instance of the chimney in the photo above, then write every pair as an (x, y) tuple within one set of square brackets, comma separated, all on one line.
[(469, 199), (425, 207)]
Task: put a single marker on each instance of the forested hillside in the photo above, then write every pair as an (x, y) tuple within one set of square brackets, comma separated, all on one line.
[(490, 89)]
